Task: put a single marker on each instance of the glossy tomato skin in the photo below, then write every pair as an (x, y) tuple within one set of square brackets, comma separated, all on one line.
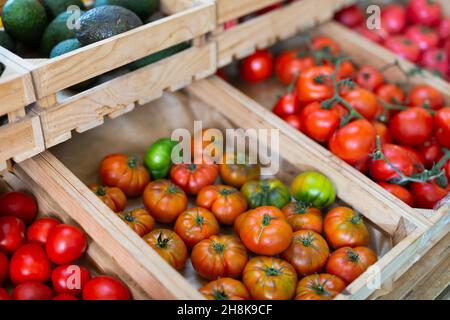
[(70, 279), (32, 291), (207, 146), (29, 263), (374, 35), (436, 59), (267, 192), (139, 220), (400, 192), (219, 257), (412, 127), (350, 16), (390, 93), (289, 65), (192, 177), (225, 202), (287, 105), (423, 36), (424, 12), (4, 268), (317, 123), (65, 297), (169, 246), (20, 205), (4, 295), (442, 127), (65, 244), (363, 101), (265, 231), (225, 289), (354, 141), (12, 234), (294, 121), (302, 216), (124, 172), (269, 278), (236, 170), (196, 224), (343, 227), (431, 152), (382, 132), (105, 288), (39, 230), (416, 157), (164, 200), (158, 158), (444, 28), (349, 263), (113, 197), (313, 188), (257, 67), (424, 95), (307, 253), (427, 195), (313, 84), (380, 170), (369, 78), (403, 47), (321, 286), (393, 18), (322, 42)]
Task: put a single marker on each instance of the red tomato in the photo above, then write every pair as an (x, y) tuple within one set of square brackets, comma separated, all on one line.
[(447, 169), (65, 244), (313, 84), (325, 43), (294, 121), (70, 279), (363, 101), (416, 157), (257, 67), (399, 191), (32, 291), (374, 35), (380, 170), (426, 195), (319, 287), (442, 127), (348, 264), (19, 205), (390, 93), (393, 18), (319, 124), (4, 267), (423, 36), (431, 152), (403, 47), (412, 127), (65, 296), (287, 105), (424, 95), (39, 230), (444, 28), (369, 77), (436, 60), (105, 288), (12, 234), (427, 12), (383, 132), (289, 65), (354, 141), (29, 263), (350, 16), (4, 295), (346, 70), (192, 177)]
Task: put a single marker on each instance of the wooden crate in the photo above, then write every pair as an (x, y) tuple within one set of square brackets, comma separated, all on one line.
[(63, 111), (264, 30), (21, 136), (65, 170)]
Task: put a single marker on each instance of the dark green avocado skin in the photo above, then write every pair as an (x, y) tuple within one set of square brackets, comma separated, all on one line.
[(105, 22), (155, 57), (143, 8), (56, 7), (6, 41)]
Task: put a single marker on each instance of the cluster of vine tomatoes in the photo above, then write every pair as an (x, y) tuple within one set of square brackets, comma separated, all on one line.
[(38, 257), (345, 108), (242, 233), (418, 32)]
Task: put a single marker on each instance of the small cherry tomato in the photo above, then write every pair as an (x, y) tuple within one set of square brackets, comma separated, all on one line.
[(4, 268), (431, 152), (442, 127), (65, 244), (289, 65), (436, 60), (427, 12), (363, 101), (325, 43), (105, 288), (39, 230), (369, 78), (350, 16), (257, 67), (294, 121), (18, 204), (393, 18), (423, 36), (390, 93), (382, 132), (403, 47), (382, 170), (12, 234), (427, 194), (412, 127), (444, 28), (399, 191), (32, 291), (424, 95), (317, 123), (70, 279), (287, 105), (314, 84), (29, 263), (65, 296)]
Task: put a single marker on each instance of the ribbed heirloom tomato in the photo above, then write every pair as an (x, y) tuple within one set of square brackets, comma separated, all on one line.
[(65, 244), (139, 220), (29, 263), (219, 256), (267, 192), (39, 230), (313, 188), (269, 278), (307, 253), (236, 170), (265, 231), (349, 263), (124, 172), (302, 216), (164, 200), (380, 170), (343, 227), (319, 287), (225, 202), (192, 177), (225, 289), (412, 127), (314, 84), (113, 197), (195, 225), (317, 123), (169, 246)]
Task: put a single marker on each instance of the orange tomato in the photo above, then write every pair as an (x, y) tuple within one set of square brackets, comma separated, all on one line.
[(225, 289), (113, 197), (319, 287), (139, 220), (303, 217), (195, 225)]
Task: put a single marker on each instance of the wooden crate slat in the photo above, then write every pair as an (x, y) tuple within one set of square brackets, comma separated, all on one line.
[(228, 10)]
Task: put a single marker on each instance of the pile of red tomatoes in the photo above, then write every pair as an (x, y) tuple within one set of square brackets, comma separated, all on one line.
[(38, 257), (418, 32), (395, 133)]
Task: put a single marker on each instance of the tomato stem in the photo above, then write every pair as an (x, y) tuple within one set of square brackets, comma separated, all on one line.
[(132, 162), (301, 207), (265, 222), (101, 191), (162, 243), (353, 256), (218, 247), (226, 192)]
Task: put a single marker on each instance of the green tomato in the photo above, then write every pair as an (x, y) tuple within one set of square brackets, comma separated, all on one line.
[(269, 192), (313, 188), (158, 158)]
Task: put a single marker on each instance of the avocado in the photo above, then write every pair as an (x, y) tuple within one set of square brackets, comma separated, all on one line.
[(155, 57), (56, 7), (143, 8), (2, 68), (56, 32), (6, 41), (65, 47), (25, 20), (104, 22)]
